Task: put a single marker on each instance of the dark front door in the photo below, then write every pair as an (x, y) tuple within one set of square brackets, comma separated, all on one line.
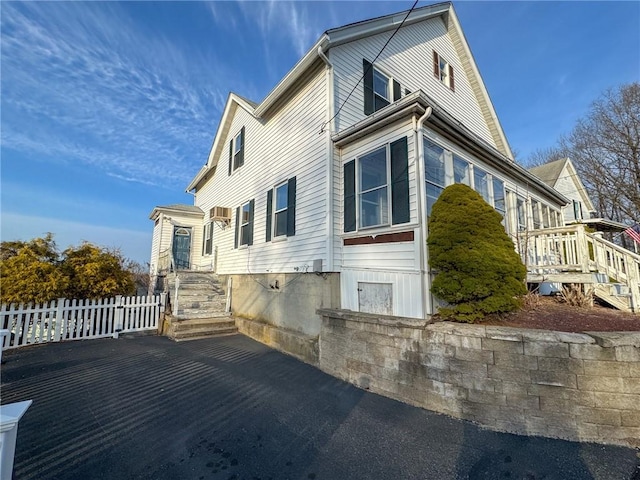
[(181, 247)]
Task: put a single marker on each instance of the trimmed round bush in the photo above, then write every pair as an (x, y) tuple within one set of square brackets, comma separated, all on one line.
[(478, 271)]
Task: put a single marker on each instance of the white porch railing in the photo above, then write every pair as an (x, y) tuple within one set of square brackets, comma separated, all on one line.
[(65, 319), (555, 251)]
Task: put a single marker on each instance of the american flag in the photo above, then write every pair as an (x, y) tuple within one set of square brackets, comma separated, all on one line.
[(634, 232)]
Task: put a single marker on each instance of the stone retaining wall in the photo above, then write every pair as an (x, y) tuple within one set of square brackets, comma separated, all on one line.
[(536, 382)]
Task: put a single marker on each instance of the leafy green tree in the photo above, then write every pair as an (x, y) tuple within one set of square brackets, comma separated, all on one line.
[(35, 272), (30, 272), (96, 272), (478, 271)]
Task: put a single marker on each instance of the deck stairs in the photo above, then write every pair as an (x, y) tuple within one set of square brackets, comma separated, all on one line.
[(572, 255), (198, 306)]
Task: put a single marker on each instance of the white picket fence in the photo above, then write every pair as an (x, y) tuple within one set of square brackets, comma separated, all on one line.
[(65, 319)]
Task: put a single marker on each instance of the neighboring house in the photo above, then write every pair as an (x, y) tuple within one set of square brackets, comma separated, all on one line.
[(317, 198), (562, 176)]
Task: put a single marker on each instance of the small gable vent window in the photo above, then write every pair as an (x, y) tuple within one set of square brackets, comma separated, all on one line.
[(380, 89), (443, 71), (236, 151)]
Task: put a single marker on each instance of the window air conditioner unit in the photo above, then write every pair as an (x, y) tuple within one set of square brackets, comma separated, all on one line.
[(220, 214)]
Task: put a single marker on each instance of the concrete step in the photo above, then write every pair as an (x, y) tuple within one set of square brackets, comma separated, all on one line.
[(208, 335), (198, 305), (202, 323), (198, 286), (196, 296), (196, 315)]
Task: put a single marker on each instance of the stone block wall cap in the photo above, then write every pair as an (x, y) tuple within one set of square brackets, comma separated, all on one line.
[(387, 320), (454, 328), (616, 339)]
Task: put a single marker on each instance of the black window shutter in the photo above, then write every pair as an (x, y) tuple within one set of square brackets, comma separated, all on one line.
[(350, 196), (269, 213), (436, 65), (291, 207), (241, 152), (230, 156), (251, 208), (407, 91), (368, 87), (237, 227), (397, 92), (399, 182), (204, 238), (451, 81)]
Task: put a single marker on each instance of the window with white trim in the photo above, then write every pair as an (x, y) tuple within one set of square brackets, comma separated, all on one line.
[(373, 194), (376, 188), (207, 240), (236, 151), (461, 171), (380, 88), (521, 213), (499, 199), (443, 71), (244, 224), (281, 210), (435, 178), (481, 184)]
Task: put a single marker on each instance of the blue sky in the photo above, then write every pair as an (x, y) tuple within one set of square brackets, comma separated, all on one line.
[(110, 108)]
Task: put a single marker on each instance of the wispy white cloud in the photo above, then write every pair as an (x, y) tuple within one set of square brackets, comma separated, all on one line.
[(81, 83)]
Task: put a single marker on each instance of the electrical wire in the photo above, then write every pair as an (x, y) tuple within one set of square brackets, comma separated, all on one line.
[(369, 68)]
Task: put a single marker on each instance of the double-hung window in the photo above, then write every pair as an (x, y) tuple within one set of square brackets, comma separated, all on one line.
[(244, 224), (373, 196), (536, 213), (443, 71), (207, 243), (236, 151), (281, 210), (481, 184), (380, 89), (521, 213), (499, 199), (434, 157), (461, 171), (376, 188)]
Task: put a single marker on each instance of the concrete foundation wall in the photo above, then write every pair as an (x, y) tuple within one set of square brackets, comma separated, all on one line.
[(284, 300), (582, 387)]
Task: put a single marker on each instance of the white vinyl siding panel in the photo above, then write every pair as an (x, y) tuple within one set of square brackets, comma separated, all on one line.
[(381, 256), (408, 58), (406, 288), (277, 148), (155, 246)]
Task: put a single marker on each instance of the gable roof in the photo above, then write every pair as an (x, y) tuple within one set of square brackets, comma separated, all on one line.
[(549, 172), (176, 208), (355, 31)]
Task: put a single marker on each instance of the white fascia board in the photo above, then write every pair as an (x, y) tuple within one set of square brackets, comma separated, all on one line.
[(474, 69), (226, 117), (157, 210), (356, 31)]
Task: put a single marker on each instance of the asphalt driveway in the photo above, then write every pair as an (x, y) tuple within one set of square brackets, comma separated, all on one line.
[(231, 408)]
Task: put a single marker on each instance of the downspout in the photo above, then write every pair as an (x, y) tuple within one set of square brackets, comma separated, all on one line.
[(422, 219), (329, 156)]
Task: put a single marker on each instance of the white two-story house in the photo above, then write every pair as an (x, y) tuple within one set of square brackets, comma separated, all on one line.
[(320, 195)]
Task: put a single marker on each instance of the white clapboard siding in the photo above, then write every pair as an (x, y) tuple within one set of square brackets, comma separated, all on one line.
[(285, 144), (409, 59), (406, 290), (75, 319), (382, 256)]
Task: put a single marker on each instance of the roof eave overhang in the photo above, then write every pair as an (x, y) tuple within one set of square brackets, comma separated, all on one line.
[(416, 104), (158, 210)]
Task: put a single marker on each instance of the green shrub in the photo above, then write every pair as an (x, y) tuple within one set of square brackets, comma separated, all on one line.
[(478, 271)]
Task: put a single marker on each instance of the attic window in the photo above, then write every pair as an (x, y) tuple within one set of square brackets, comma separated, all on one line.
[(443, 71), (380, 89)]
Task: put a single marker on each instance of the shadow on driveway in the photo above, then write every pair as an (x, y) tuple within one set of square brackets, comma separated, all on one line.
[(231, 408)]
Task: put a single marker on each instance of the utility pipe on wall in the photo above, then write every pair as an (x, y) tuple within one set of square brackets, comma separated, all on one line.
[(329, 146), (422, 218)]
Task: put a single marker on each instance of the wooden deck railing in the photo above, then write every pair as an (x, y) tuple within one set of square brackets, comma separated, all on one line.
[(572, 249)]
